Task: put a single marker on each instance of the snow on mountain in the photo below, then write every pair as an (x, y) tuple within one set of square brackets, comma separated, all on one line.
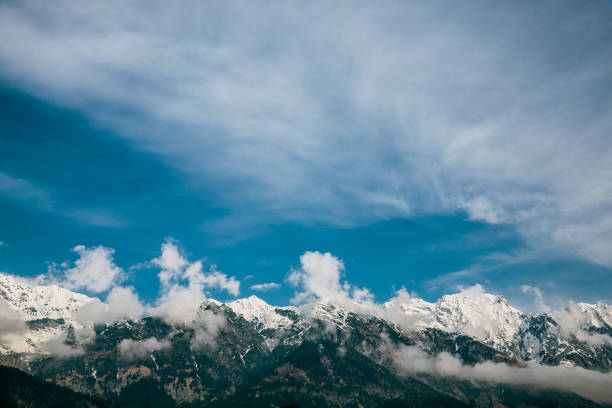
[(577, 335), (589, 323), (47, 312), (486, 317), (483, 316), (38, 301), (578, 330), (588, 317), (255, 310)]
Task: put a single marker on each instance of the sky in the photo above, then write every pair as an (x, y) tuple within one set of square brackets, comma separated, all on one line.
[(431, 145)]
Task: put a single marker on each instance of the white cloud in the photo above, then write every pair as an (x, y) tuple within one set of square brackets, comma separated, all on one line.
[(481, 209), (361, 295), (121, 302), (12, 325), (265, 287), (171, 263), (21, 189), (179, 305), (94, 271), (176, 270), (185, 285), (124, 302), (213, 279), (540, 303), (318, 276), (579, 318), (590, 384), (207, 326), (134, 349), (391, 89), (59, 348)]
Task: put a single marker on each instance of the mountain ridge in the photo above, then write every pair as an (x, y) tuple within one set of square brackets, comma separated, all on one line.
[(220, 354)]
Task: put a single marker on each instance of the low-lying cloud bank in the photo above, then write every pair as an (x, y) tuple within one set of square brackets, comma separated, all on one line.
[(411, 360), (134, 349), (12, 324)]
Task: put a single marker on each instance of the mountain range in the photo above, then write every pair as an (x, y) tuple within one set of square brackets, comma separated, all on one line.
[(467, 349)]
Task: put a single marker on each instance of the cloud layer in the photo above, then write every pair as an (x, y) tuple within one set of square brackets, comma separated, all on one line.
[(133, 349), (500, 111), (590, 384), (12, 325)]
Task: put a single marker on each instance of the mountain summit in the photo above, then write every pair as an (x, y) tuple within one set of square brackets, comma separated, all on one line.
[(322, 353)]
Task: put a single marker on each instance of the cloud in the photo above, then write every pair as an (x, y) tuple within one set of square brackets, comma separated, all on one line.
[(594, 385), (96, 217), (12, 325), (94, 271), (185, 285), (171, 263), (21, 189), (318, 276), (121, 302), (492, 134), (179, 305), (59, 347), (361, 295), (481, 209), (207, 326), (265, 287), (214, 279), (134, 349), (579, 319), (540, 304), (176, 269)]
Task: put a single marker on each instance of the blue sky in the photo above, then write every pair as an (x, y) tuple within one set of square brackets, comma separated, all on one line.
[(430, 146)]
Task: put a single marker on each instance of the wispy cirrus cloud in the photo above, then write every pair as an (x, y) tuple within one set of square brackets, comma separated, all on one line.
[(387, 112), (265, 287), (32, 195)]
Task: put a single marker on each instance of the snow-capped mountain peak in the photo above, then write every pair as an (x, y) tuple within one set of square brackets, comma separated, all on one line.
[(254, 309), (589, 316), (47, 312), (33, 301), (487, 317)]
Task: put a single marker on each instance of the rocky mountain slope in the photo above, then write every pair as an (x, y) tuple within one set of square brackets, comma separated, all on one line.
[(320, 354)]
